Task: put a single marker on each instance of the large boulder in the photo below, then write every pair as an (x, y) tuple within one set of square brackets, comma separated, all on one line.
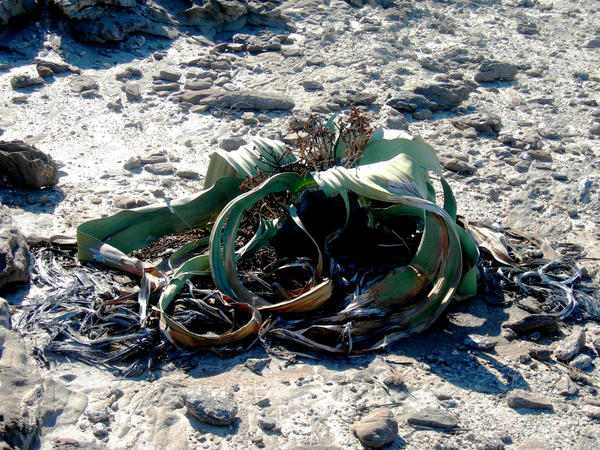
[(12, 8), (14, 252), (26, 165)]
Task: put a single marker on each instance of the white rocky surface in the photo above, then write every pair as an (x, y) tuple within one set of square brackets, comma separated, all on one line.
[(123, 138)]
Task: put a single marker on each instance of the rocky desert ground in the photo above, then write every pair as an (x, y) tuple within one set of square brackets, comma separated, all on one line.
[(130, 98)]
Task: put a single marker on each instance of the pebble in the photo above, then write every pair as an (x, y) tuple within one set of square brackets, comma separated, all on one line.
[(168, 74), (565, 387), (540, 353), (572, 345), (198, 85), (534, 444), (376, 429), (432, 417), (480, 342), (523, 399), (187, 174), (231, 143), (315, 60), (100, 429), (257, 365), (534, 322), (98, 415), (210, 408)]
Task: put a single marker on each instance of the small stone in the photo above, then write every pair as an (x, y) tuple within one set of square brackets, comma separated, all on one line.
[(198, 85), (98, 415), (115, 105), (394, 380), (595, 129), (480, 342), (266, 425), (312, 85), (571, 346), (25, 80), (168, 74), (209, 408), (128, 201), (432, 417), (4, 314), (565, 387), (160, 169), (263, 402), (540, 353), (523, 399), (493, 71), (483, 122), (377, 429), (232, 143), (257, 365), (534, 322), (593, 412), (83, 83), (581, 362), (456, 165), (187, 174), (44, 71), (132, 91), (291, 51), (593, 43), (534, 444), (100, 430), (132, 163), (470, 133), (315, 60), (249, 118), (422, 114)]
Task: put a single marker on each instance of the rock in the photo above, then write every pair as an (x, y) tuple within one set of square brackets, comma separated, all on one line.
[(312, 85), (458, 166), (187, 174), (26, 165), (264, 41), (392, 119), (24, 80), (83, 83), (44, 71), (14, 253), (593, 43), (160, 169), (432, 417), (571, 346), (115, 105), (439, 96), (257, 365), (523, 399), (540, 353), (534, 444), (480, 342), (376, 429), (128, 201), (209, 408), (55, 65), (527, 29), (394, 380), (100, 430), (4, 312), (290, 51), (422, 114), (98, 415), (593, 412), (581, 362), (231, 143), (231, 15), (72, 444), (595, 130), (315, 60), (249, 118), (493, 71), (12, 8), (129, 72), (132, 91), (61, 405), (565, 387), (21, 393), (198, 85), (266, 425), (534, 322), (241, 100), (169, 74), (132, 163), (483, 122)]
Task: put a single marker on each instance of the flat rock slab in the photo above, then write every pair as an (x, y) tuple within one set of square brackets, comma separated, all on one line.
[(246, 100), (210, 408), (523, 399), (26, 165), (432, 417), (83, 83), (534, 322), (377, 429), (494, 71)]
